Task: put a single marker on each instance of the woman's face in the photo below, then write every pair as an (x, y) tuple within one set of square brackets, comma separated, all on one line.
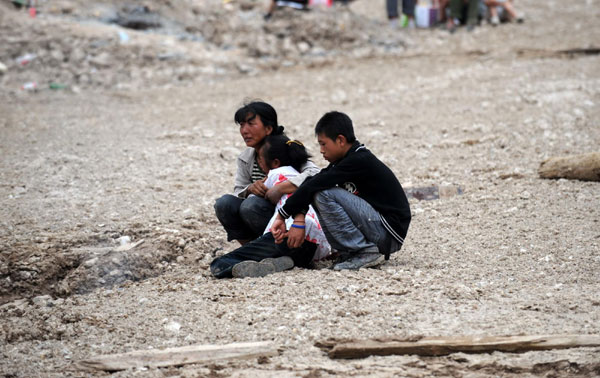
[(254, 131)]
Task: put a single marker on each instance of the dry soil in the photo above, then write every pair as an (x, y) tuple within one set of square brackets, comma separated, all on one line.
[(107, 185)]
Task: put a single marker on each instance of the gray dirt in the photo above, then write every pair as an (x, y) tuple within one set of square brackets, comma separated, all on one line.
[(107, 186)]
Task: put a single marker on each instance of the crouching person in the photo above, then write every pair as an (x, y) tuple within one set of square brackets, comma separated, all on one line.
[(360, 203)]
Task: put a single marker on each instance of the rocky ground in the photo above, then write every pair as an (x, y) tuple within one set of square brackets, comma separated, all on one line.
[(111, 164)]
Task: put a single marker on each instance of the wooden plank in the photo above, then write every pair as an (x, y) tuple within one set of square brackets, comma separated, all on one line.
[(439, 346), (584, 167), (178, 356)]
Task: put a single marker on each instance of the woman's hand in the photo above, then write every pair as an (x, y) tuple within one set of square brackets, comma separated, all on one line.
[(258, 188)]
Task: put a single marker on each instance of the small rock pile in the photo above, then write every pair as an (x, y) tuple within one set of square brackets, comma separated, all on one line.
[(73, 43)]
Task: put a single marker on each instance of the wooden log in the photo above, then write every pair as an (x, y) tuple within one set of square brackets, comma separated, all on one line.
[(584, 167), (178, 356), (440, 346)]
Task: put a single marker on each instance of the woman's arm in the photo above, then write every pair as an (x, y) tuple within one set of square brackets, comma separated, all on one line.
[(244, 173)]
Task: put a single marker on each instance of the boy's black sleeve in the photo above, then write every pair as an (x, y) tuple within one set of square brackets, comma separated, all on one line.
[(329, 177)]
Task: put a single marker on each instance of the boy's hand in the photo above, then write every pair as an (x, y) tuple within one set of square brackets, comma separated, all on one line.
[(278, 229), (295, 237), (258, 188), (297, 231)]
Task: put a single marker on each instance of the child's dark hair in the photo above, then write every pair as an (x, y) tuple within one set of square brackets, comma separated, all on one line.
[(335, 123), (289, 152), (267, 114)]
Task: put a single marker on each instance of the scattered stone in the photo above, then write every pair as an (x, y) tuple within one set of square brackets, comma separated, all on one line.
[(103, 60), (91, 262), (42, 300), (129, 246), (124, 240), (138, 18), (433, 192), (57, 55), (173, 326), (77, 55)]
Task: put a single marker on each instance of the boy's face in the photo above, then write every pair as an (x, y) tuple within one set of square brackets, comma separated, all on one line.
[(332, 150)]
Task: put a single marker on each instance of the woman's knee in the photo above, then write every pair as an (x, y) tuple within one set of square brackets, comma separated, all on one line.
[(255, 205), (226, 205)]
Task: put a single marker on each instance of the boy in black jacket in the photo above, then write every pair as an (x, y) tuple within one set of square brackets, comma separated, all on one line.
[(361, 205)]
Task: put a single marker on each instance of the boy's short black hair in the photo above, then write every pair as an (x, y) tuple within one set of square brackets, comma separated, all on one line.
[(336, 123)]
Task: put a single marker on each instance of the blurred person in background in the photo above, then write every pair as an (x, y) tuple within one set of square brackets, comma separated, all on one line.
[(463, 12), (296, 4), (408, 13), (503, 10)]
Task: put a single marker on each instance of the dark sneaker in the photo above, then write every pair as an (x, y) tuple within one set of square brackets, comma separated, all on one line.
[(361, 260), (267, 266), (339, 256), (281, 263)]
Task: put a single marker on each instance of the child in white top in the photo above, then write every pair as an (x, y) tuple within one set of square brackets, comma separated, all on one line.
[(278, 157)]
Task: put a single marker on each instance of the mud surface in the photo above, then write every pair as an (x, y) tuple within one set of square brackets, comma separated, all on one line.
[(107, 185)]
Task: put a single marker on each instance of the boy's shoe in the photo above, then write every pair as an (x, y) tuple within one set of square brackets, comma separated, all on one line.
[(265, 267), (339, 256), (495, 20), (361, 260)]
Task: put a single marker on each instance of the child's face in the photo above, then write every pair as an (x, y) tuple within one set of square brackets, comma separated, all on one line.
[(262, 162), (332, 150)]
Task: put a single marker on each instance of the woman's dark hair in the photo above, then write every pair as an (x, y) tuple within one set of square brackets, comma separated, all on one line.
[(266, 112), (288, 152), (335, 123)]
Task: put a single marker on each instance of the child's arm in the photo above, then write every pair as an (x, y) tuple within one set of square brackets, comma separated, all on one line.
[(278, 229), (277, 191), (280, 188)]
